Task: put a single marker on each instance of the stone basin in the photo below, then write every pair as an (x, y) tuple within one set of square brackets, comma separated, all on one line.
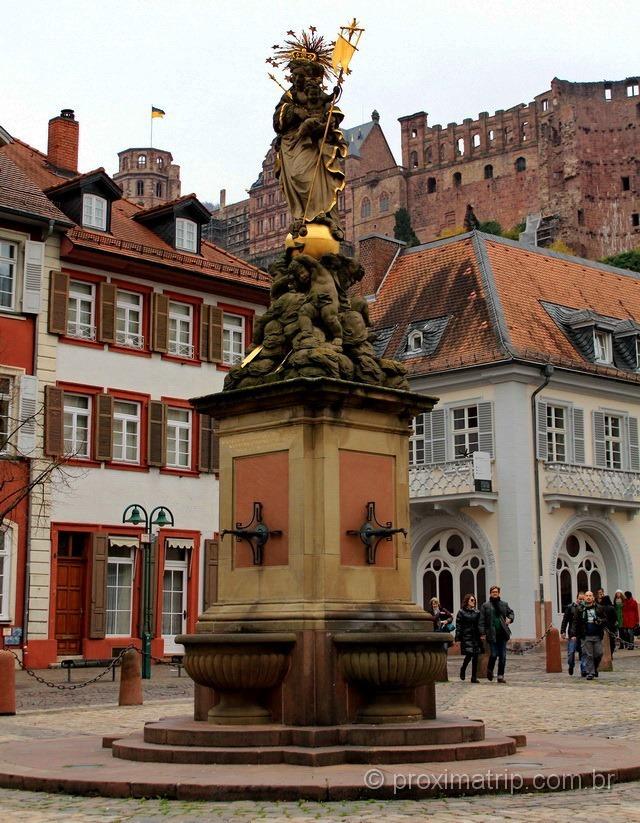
[(387, 667), (239, 667)]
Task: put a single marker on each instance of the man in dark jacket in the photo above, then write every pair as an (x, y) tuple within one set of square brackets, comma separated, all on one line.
[(568, 629), (590, 622), (495, 618), (611, 617)]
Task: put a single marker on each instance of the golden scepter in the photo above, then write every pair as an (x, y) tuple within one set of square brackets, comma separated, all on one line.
[(343, 51)]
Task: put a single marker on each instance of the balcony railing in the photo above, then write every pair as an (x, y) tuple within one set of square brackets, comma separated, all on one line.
[(133, 341), (454, 477), (181, 349), (592, 482), (82, 330)]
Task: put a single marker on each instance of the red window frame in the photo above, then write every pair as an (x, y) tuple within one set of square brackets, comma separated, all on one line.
[(239, 311), (196, 303), (143, 400), (146, 292), (94, 280), (192, 471), (87, 391)]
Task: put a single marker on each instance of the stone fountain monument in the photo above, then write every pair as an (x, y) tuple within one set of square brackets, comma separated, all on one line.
[(314, 652)]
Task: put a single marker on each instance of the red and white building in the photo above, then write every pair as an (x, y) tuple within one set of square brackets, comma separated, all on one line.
[(137, 315)]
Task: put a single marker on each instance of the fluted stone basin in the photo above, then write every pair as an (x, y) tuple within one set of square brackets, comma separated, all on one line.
[(386, 668), (238, 667)]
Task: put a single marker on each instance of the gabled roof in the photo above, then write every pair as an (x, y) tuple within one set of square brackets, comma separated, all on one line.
[(356, 136), (186, 200), (94, 176), (129, 238), (497, 293), (19, 195)]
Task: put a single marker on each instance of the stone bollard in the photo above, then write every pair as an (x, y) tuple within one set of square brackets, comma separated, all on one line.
[(606, 662), (552, 648), (130, 679), (7, 683)]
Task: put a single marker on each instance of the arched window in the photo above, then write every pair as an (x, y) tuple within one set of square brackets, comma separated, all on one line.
[(579, 568), (428, 156), (521, 164), (159, 162), (454, 567), (414, 341), (460, 146), (158, 189), (488, 172), (476, 141), (457, 179), (365, 208), (384, 201), (431, 185), (413, 160), (142, 161), (139, 188)]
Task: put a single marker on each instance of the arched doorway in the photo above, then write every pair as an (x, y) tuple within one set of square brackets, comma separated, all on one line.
[(580, 567), (451, 565)]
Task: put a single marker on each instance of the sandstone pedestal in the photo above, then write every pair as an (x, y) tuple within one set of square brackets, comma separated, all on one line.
[(308, 456)]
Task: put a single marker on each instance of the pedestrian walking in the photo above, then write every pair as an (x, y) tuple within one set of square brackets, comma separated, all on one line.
[(630, 618), (495, 618), (568, 630), (618, 600), (611, 627), (468, 635), (590, 623)]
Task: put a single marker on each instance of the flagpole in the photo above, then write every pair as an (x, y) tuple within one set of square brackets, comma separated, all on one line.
[(151, 137)]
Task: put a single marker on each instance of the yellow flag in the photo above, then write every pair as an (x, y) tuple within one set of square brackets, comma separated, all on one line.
[(342, 54), (156, 112)]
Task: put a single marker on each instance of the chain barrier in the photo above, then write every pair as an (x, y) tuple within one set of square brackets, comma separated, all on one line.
[(71, 686), (624, 644), (530, 646)]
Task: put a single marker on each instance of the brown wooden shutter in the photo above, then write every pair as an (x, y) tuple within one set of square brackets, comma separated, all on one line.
[(104, 427), (215, 334), (98, 613), (209, 448), (157, 433), (107, 314), (160, 323), (204, 332), (58, 302), (53, 421), (210, 571)]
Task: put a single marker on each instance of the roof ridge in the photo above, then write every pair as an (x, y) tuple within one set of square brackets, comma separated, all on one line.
[(491, 292)]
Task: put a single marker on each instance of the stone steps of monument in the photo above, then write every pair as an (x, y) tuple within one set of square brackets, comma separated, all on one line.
[(137, 749), (184, 731)]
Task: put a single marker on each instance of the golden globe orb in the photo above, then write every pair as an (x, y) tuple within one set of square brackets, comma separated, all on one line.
[(316, 242)]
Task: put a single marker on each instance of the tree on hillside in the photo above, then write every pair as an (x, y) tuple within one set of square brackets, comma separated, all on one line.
[(625, 260), (403, 230), (490, 227)]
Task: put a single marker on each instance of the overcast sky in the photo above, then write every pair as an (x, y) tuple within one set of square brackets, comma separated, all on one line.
[(203, 62)]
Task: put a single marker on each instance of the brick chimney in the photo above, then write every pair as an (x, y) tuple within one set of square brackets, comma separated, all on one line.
[(62, 147)]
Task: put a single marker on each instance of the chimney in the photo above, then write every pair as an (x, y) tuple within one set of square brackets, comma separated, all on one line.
[(62, 147), (223, 199)]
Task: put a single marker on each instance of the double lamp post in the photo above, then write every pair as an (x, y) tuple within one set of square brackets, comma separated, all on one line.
[(161, 516)]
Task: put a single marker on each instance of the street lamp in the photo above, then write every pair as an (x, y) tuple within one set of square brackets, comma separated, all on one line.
[(161, 516)]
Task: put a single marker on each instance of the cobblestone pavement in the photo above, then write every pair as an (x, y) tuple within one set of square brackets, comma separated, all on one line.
[(531, 701)]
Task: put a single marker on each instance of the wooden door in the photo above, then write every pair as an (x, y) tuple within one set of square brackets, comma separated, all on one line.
[(70, 595)]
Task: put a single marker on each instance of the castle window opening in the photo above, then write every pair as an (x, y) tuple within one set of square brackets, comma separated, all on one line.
[(633, 88), (626, 183), (142, 161), (523, 130), (428, 155), (457, 179), (476, 141), (460, 146), (414, 133), (491, 135), (431, 185), (581, 217), (414, 160), (365, 208), (384, 201), (125, 163), (545, 104), (607, 92), (139, 188), (488, 172), (158, 189), (635, 220), (159, 162), (521, 164)]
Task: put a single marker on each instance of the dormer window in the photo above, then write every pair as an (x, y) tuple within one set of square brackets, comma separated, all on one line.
[(414, 341), (94, 212), (186, 235), (602, 347)]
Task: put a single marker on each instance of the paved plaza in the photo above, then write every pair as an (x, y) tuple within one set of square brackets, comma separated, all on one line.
[(532, 701)]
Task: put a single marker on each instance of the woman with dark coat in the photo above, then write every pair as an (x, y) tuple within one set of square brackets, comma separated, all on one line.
[(468, 635)]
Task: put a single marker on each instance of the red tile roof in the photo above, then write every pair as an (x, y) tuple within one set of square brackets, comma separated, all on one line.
[(493, 291), (20, 195), (130, 238)]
